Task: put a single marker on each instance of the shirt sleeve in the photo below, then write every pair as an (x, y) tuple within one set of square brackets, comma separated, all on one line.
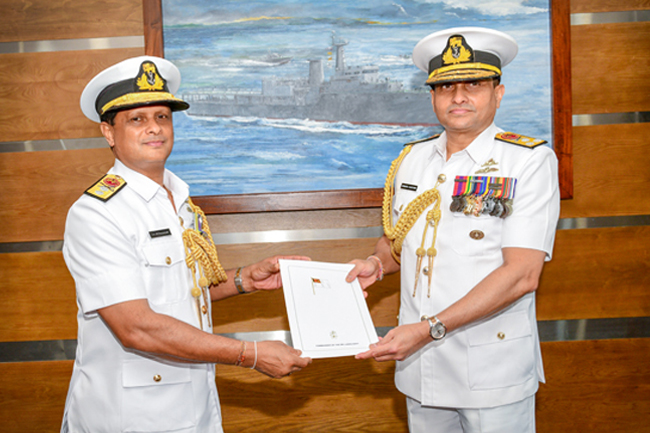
[(101, 257), (536, 205)]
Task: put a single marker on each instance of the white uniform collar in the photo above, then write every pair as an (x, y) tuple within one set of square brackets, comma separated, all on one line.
[(477, 150), (147, 188)]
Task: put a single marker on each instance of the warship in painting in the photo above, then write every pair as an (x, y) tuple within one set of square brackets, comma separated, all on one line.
[(355, 94)]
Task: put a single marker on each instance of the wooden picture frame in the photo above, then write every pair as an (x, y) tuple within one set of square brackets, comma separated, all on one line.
[(365, 198)]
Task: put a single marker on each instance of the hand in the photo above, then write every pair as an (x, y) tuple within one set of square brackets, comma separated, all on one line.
[(366, 271), (276, 359), (399, 343), (265, 275)]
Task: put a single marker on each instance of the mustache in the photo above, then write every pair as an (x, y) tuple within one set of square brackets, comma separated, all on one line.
[(461, 106)]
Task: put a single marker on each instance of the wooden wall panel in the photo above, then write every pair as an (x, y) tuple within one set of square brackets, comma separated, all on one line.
[(38, 188), (338, 394), (41, 20), (37, 298), (586, 279), (43, 91), (610, 170), (600, 386), (595, 386), (590, 6), (32, 396), (267, 312), (612, 63), (597, 273), (298, 220), (592, 386)]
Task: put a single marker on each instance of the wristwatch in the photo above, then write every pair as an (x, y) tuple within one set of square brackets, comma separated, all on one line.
[(437, 329), (238, 281)]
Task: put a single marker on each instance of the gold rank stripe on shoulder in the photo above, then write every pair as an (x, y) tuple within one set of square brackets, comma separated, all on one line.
[(433, 137), (106, 187), (520, 140)]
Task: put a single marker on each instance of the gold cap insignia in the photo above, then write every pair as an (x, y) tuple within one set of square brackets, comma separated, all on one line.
[(148, 78), (457, 51)]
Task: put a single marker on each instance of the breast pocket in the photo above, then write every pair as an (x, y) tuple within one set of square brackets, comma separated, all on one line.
[(156, 397), (166, 271), (475, 236), (501, 352)]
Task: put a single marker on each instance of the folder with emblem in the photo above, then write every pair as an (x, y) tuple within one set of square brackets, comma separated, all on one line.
[(328, 316)]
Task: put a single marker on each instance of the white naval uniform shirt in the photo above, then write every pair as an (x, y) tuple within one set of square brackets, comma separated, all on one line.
[(472, 367), (113, 257)]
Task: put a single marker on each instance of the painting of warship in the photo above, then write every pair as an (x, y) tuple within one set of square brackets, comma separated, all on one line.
[(321, 95), (356, 94)]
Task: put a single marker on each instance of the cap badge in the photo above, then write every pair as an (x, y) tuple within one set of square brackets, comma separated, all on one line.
[(457, 51), (148, 78)]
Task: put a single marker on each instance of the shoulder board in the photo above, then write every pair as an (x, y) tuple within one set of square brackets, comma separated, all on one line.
[(520, 140), (106, 187), (433, 137)]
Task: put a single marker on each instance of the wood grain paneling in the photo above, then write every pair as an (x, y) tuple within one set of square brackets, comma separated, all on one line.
[(37, 298), (38, 188), (610, 63), (611, 171), (561, 79), (590, 6), (331, 395), (592, 386), (597, 273), (298, 220), (40, 20), (595, 386), (266, 311), (586, 279), (32, 395), (43, 91)]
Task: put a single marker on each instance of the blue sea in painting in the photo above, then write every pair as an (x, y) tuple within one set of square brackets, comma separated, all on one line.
[(231, 46)]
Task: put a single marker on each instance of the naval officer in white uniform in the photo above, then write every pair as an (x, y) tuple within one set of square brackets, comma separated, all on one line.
[(469, 220), (146, 271)]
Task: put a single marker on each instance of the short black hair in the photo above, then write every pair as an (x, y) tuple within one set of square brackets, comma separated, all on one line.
[(109, 117)]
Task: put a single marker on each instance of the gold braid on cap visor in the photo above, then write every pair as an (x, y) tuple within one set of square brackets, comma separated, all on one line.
[(461, 66), (136, 98)]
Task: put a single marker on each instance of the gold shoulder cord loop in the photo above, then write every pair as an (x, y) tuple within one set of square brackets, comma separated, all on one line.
[(396, 233), (200, 250)]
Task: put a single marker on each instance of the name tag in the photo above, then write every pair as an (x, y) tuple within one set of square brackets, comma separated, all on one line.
[(409, 187), (160, 233)]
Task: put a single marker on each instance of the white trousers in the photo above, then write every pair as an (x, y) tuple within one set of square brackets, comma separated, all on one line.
[(517, 417)]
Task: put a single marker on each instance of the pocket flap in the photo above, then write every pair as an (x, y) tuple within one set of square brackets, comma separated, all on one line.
[(502, 328), (150, 373), (164, 253)]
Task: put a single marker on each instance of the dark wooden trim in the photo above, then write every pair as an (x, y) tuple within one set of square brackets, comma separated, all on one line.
[(153, 28), (561, 82), (290, 201), (361, 198)]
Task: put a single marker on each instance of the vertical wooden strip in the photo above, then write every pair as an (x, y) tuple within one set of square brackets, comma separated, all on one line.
[(561, 79), (153, 28)]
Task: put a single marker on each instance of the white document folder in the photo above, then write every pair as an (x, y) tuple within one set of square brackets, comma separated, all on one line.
[(328, 316)]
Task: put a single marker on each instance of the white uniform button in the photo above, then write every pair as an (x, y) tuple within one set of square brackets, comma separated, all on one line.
[(157, 378), (168, 260), (501, 335)]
